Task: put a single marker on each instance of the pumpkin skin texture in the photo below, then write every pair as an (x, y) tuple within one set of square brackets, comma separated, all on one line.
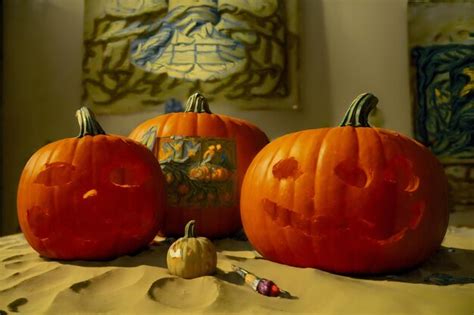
[(198, 121), (349, 199), (190, 256), (93, 197)]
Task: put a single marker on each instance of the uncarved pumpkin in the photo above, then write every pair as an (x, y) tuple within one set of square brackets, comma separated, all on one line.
[(220, 215), (349, 199), (190, 256), (96, 196)]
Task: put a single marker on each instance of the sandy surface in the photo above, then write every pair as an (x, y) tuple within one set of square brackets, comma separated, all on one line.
[(140, 284)]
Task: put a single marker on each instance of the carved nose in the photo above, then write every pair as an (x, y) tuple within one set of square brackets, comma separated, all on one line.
[(90, 194)]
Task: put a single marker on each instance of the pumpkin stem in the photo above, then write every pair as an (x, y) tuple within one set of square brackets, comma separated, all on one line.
[(358, 113), (189, 229), (197, 104), (87, 123)]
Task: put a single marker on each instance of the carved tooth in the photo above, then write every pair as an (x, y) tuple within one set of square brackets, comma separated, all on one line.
[(300, 223), (314, 227), (269, 207), (418, 210), (283, 216), (392, 239)]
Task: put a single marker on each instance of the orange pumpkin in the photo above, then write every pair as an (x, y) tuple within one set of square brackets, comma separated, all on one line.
[(96, 196), (194, 185), (350, 199)]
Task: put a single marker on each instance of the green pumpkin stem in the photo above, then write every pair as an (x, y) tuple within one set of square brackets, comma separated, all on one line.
[(358, 113), (197, 104), (87, 123), (189, 229)]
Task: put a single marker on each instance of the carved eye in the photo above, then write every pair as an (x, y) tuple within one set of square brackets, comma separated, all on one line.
[(286, 168), (351, 174), (400, 171), (127, 177), (56, 174)]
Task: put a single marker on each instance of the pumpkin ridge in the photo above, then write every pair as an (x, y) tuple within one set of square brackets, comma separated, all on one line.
[(226, 124), (400, 150), (296, 173), (55, 192), (319, 192), (166, 119), (195, 126), (31, 167), (314, 165), (70, 158), (50, 155), (286, 149), (379, 146), (269, 161)]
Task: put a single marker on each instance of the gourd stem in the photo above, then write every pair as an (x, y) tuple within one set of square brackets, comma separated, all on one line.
[(189, 229), (197, 104), (88, 125), (358, 113)]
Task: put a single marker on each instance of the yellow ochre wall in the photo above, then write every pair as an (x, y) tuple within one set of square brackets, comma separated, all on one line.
[(346, 47)]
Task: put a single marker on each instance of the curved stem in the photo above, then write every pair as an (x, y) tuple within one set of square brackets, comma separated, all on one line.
[(197, 103), (358, 113), (87, 123), (189, 229)]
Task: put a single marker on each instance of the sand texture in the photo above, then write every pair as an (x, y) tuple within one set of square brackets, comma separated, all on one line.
[(141, 284)]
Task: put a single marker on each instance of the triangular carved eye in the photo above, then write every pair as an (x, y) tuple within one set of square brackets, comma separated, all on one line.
[(56, 174), (399, 171), (127, 177)]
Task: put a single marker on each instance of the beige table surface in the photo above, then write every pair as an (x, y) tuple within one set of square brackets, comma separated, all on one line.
[(140, 284)]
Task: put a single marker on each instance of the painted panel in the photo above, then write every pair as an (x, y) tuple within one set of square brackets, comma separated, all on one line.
[(139, 54), (442, 51)]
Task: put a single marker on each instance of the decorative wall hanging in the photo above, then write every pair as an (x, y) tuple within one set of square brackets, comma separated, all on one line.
[(441, 35), (138, 54)]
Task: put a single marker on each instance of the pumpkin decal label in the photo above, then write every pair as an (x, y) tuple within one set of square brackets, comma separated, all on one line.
[(200, 172)]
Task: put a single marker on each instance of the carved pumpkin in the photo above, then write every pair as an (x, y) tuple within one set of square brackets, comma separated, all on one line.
[(350, 199), (96, 196), (202, 184), (190, 256)]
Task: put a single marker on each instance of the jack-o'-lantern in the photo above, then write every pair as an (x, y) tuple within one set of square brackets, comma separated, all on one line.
[(204, 157), (349, 199), (96, 196)]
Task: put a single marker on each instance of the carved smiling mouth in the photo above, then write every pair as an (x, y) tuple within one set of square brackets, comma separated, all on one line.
[(321, 226)]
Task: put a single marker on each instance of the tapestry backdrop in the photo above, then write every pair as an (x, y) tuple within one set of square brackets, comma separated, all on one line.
[(140, 54)]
